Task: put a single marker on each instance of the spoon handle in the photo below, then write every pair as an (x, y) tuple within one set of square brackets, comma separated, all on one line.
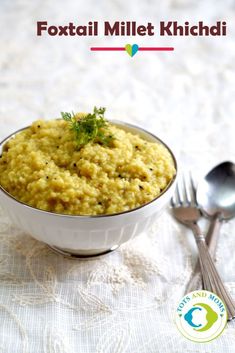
[(210, 275), (212, 236)]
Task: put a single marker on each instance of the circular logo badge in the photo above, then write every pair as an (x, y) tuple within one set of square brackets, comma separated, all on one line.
[(201, 316)]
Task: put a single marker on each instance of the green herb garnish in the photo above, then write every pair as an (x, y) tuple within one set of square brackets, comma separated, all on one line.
[(91, 127)]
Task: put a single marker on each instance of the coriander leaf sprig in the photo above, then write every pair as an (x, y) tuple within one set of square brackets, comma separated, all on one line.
[(91, 127)]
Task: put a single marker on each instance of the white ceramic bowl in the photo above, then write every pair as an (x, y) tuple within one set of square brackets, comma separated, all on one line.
[(87, 236)]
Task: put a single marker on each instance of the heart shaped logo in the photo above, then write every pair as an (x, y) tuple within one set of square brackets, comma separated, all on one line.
[(131, 49)]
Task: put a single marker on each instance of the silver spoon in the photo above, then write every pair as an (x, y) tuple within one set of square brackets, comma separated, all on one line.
[(216, 199)]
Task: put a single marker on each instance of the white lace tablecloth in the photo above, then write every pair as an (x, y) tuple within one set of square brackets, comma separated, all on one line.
[(123, 302)]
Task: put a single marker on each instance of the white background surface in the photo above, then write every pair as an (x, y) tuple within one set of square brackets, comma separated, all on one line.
[(124, 302)]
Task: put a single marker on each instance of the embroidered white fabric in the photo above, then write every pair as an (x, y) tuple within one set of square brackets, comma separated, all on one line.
[(123, 302)]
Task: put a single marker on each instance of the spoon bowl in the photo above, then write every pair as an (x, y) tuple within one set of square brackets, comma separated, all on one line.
[(216, 192)]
